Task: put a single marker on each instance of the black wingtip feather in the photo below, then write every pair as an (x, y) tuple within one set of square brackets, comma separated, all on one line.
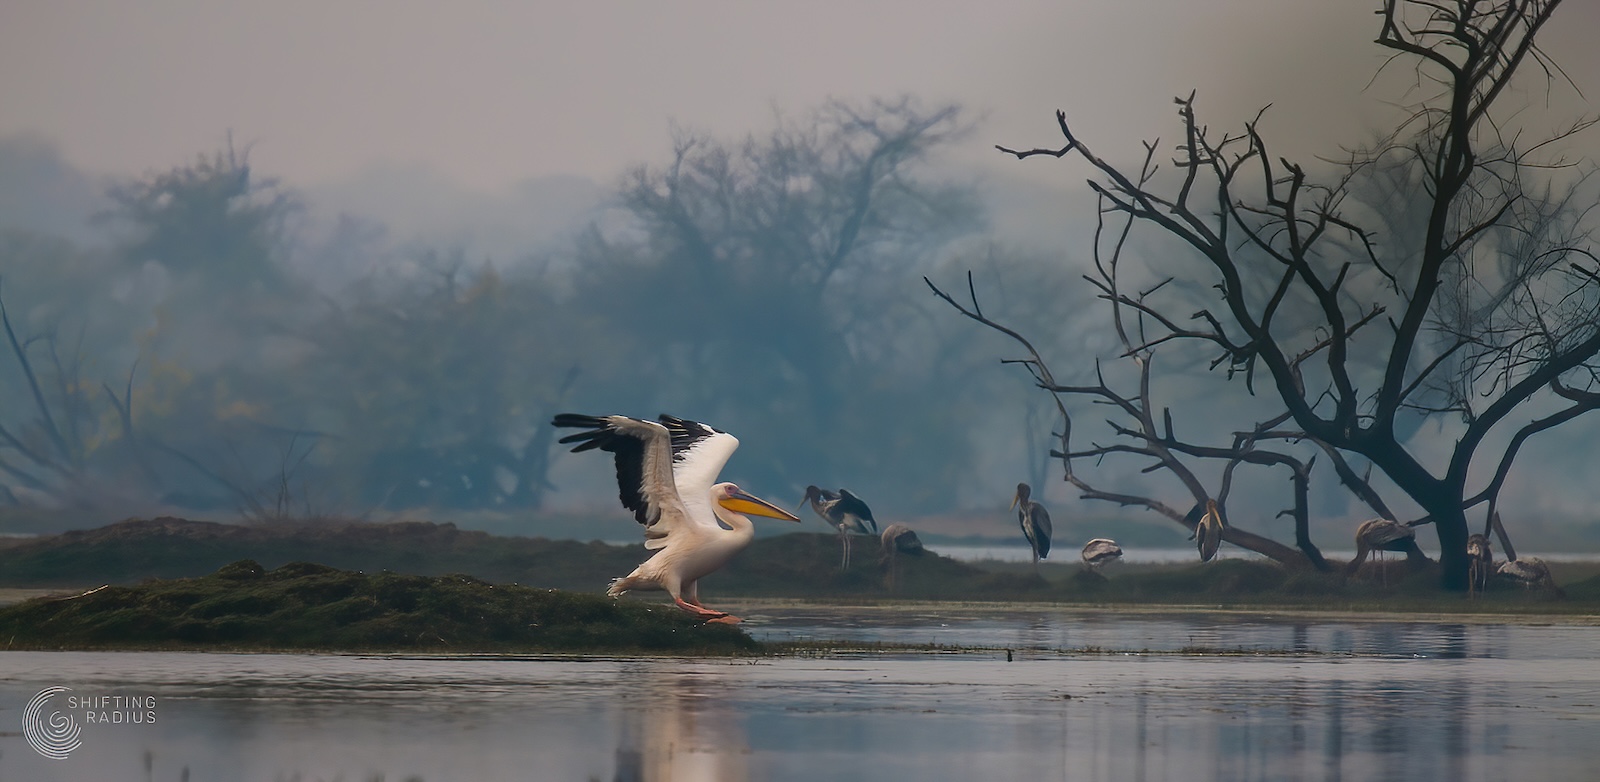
[(629, 458), (685, 433), (577, 419)]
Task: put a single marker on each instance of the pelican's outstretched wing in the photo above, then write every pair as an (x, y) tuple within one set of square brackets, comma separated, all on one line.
[(852, 506), (698, 455), (644, 459)]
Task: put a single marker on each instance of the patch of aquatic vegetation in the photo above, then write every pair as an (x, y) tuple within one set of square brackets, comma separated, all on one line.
[(302, 606)]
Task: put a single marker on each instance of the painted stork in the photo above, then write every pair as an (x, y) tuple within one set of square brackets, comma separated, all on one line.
[(665, 473), (897, 539), (843, 511), (900, 539), (1480, 562), (1035, 521), (1380, 535), (1530, 572), (1208, 533), (1100, 552)]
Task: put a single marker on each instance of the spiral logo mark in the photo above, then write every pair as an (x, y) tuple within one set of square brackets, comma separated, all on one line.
[(54, 736)]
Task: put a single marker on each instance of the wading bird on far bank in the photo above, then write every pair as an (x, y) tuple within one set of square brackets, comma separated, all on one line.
[(1208, 533), (665, 473), (1035, 521), (897, 539), (843, 511), (1380, 535), (1100, 552), (1530, 572), (1480, 563)]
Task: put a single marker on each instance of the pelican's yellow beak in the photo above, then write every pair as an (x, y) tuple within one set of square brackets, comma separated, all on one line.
[(739, 502), (1015, 498)]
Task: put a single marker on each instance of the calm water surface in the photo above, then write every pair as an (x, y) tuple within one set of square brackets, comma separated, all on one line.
[(1360, 701)]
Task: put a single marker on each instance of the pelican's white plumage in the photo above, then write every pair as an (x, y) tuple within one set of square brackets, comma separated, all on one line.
[(666, 473)]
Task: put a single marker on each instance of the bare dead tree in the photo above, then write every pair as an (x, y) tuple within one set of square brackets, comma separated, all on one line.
[(1138, 433), (1494, 299)]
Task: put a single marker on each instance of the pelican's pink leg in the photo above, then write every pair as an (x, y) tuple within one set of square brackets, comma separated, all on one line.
[(688, 599), (721, 617)]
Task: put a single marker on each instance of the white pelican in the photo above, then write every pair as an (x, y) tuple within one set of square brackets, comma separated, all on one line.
[(1208, 533), (1382, 535), (843, 511), (1035, 521), (1100, 552), (1480, 562), (665, 472)]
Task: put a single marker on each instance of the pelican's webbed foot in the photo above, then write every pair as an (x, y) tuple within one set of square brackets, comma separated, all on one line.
[(701, 611)]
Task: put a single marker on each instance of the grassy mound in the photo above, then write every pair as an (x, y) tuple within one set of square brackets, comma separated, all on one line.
[(130, 551), (302, 606), (793, 566)]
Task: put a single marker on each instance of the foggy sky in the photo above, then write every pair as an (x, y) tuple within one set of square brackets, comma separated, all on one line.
[(491, 93)]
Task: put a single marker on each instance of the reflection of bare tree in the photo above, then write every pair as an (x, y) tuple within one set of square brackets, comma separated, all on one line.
[(675, 728)]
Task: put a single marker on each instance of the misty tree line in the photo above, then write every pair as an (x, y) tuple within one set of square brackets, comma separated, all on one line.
[(763, 284)]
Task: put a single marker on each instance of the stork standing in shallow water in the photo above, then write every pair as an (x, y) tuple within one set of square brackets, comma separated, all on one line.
[(1035, 521), (843, 511), (665, 473)]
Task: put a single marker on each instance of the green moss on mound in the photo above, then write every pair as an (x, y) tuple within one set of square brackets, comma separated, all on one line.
[(314, 607)]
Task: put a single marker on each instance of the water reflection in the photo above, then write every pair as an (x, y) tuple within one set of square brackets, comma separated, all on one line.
[(1406, 700), (1062, 628), (678, 727)]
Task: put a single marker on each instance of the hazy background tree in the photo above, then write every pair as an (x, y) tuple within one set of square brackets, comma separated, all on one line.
[(259, 364), (764, 285)]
